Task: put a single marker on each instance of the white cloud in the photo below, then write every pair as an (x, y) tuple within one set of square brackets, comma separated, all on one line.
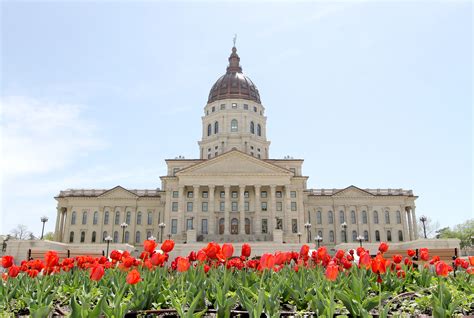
[(41, 136)]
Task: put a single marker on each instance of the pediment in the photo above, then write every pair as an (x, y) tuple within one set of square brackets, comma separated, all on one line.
[(118, 193), (234, 163), (352, 192)]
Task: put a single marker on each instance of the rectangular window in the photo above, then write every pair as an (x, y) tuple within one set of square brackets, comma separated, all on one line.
[(255, 109), (279, 206), (222, 206), (264, 206), (293, 206), (204, 226), (174, 226), (234, 105), (222, 194), (234, 194), (246, 194), (294, 225), (234, 206), (204, 207), (278, 194), (293, 194), (246, 107), (263, 194), (222, 106), (175, 194), (175, 170), (174, 206), (190, 194), (264, 226), (190, 207), (205, 194), (189, 224), (247, 206), (213, 108)]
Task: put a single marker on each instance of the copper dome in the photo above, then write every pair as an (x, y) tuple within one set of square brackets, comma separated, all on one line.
[(234, 84)]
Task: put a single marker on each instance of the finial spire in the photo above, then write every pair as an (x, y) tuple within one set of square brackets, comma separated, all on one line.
[(235, 39)]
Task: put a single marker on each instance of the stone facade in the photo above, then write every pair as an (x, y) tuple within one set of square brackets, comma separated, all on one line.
[(235, 192)]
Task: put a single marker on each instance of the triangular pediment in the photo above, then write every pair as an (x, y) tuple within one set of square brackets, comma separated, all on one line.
[(118, 192), (352, 192), (234, 163)]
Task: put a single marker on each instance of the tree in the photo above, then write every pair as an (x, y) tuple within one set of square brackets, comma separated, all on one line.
[(21, 232), (49, 236), (463, 232), (430, 226)]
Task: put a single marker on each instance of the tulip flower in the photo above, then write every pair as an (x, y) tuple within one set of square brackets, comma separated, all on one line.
[(411, 253), (97, 272), (149, 246), (227, 250), (332, 270), (13, 271), (267, 261), (167, 246), (7, 261), (471, 260), (424, 254), (304, 251), (182, 264), (383, 247), (246, 250), (51, 258), (133, 277), (397, 258), (442, 269)]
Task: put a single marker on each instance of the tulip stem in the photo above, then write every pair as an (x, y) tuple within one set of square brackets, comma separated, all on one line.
[(380, 298)]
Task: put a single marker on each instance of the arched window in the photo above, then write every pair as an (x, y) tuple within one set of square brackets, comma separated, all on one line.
[(330, 218), (387, 217), (400, 236), (377, 236), (127, 236), (331, 236), (221, 225), (93, 237), (138, 237), (354, 236), (129, 216), (234, 226), (216, 127), (139, 218), (376, 217), (366, 236), (209, 129), (104, 235), (106, 218), (399, 217), (83, 236), (234, 126), (150, 218), (116, 237), (252, 127), (259, 130), (95, 217), (343, 236), (73, 219), (389, 236), (84, 217), (318, 217), (71, 237), (148, 235), (353, 217), (117, 218), (341, 217), (364, 217), (320, 233), (247, 226)]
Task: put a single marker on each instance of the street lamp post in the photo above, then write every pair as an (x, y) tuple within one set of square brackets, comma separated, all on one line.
[(423, 219), (123, 226), (360, 238), (307, 226), (344, 227), (299, 237), (318, 239), (44, 219), (108, 239), (162, 229)]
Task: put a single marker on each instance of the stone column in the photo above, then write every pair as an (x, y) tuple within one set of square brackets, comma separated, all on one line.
[(181, 209), (167, 210), (287, 211), (211, 209), (242, 209), (415, 225), (369, 223), (57, 235), (227, 207), (258, 219), (272, 206), (196, 207), (410, 229), (403, 214)]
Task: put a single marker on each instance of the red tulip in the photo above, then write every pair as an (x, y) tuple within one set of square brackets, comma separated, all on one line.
[(266, 261), (158, 259), (442, 269), (364, 260), (424, 254), (167, 246), (212, 249), (397, 258), (116, 255), (471, 260), (379, 264), (206, 268), (401, 273), (304, 251), (339, 254), (32, 273), (201, 256), (246, 250), (332, 271), (182, 264), (13, 271), (51, 258), (133, 277), (227, 250), (383, 247), (411, 253), (7, 261), (97, 272), (149, 246)]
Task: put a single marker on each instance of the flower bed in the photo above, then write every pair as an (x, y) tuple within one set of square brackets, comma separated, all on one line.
[(214, 282)]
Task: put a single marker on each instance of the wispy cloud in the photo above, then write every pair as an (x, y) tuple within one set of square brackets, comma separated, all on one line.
[(40, 136)]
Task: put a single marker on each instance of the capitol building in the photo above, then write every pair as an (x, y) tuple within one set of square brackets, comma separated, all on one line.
[(235, 191)]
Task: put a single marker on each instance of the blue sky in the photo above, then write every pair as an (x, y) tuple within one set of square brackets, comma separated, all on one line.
[(374, 94)]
